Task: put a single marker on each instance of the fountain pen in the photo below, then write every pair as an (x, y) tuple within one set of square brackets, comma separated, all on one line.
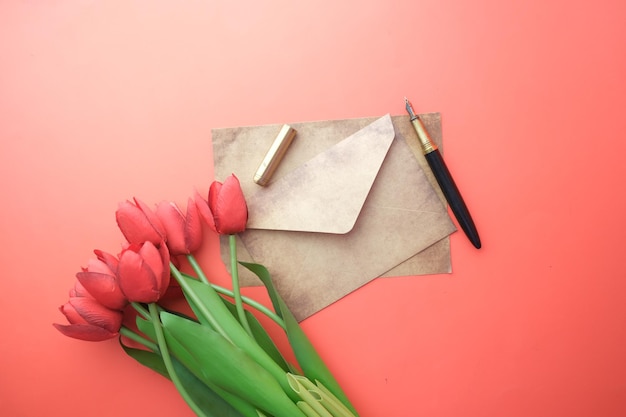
[(444, 178)]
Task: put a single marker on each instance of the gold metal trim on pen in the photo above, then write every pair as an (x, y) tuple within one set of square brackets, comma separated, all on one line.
[(426, 142), (274, 155)]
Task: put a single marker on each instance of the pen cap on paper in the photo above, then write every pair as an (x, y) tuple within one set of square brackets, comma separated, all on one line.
[(274, 155)]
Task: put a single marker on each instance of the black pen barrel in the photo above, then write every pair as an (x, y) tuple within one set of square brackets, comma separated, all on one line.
[(453, 196)]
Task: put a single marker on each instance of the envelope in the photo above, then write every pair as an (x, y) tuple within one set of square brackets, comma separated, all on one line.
[(350, 202)]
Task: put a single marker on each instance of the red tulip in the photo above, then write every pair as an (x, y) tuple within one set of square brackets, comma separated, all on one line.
[(226, 211), (89, 320), (143, 272), (184, 233), (139, 223), (100, 281)]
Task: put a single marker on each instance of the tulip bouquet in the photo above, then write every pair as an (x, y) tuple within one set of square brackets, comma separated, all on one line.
[(215, 351)]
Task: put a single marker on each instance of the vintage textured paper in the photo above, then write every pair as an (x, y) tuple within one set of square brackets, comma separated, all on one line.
[(350, 202)]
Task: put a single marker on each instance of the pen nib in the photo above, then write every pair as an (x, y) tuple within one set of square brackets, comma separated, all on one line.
[(409, 108)]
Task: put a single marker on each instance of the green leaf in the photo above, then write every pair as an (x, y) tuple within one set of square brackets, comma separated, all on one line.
[(147, 359), (146, 327), (261, 336), (207, 302), (309, 360), (219, 363), (208, 400)]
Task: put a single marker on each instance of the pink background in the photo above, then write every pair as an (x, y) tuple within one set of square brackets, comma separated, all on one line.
[(104, 100)]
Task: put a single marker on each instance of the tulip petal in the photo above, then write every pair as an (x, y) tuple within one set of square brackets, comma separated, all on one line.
[(79, 291), (107, 258), (151, 216), (104, 288), (71, 314), (174, 224), (96, 314), (214, 192), (193, 228), (138, 224), (205, 211), (164, 280), (152, 257), (96, 265), (136, 278), (85, 332)]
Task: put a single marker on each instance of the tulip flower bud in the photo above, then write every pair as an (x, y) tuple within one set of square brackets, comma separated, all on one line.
[(183, 232), (143, 272), (89, 320), (226, 211), (138, 223)]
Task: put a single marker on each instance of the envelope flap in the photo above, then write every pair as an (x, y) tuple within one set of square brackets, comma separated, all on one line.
[(326, 193)]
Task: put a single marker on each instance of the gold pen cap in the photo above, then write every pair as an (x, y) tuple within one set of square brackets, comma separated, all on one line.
[(274, 155)]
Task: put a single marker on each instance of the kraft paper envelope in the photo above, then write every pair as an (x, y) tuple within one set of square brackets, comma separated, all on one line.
[(348, 203)]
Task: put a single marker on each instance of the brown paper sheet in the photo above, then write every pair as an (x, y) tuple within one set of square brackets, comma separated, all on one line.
[(401, 229)]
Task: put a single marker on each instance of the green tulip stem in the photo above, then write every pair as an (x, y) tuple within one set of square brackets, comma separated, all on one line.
[(167, 360), (189, 292), (309, 397), (126, 332), (318, 397), (243, 299), (234, 272), (224, 291), (247, 300), (307, 409), (332, 403), (141, 310), (197, 268), (252, 303)]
